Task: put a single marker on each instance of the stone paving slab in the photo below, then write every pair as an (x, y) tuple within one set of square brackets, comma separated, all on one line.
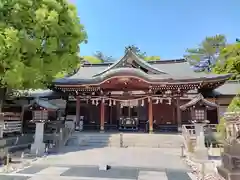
[(33, 169), (12, 177), (153, 175), (177, 175), (114, 173)]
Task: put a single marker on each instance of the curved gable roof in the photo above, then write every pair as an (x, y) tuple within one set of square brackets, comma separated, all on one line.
[(129, 58)]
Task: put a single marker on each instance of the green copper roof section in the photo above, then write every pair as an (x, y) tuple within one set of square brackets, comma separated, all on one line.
[(230, 88)]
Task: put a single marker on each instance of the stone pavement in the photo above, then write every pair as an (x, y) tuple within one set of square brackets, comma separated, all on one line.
[(123, 157), (81, 163), (37, 172)]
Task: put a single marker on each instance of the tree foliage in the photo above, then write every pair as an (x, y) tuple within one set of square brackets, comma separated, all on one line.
[(91, 59), (204, 57), (103, 58), (234, 106), (229, 61), (38, 39), (152, 58)]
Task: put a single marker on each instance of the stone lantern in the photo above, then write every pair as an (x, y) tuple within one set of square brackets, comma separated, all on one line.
[(198, 107), (230, 168), (39, 117)]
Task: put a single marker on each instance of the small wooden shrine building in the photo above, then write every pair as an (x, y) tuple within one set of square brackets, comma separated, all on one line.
[(128, 93)]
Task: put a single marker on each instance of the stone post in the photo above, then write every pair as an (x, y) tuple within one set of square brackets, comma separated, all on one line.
[(38, 146)]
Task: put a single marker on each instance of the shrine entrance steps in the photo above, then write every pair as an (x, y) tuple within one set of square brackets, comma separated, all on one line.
[(125, 140)]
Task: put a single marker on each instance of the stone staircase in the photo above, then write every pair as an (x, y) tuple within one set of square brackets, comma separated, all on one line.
[(128, 140), (153, 140), (94, 139)]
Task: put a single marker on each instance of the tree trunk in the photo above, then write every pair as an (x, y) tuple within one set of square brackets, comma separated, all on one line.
[(2, 97)]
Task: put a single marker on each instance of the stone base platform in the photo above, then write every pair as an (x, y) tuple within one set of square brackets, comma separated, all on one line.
[(228, 175)]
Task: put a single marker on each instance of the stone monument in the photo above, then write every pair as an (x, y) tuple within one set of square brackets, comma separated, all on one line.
[(230, 168)]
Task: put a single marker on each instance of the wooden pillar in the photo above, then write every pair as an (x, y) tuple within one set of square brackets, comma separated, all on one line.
[(179, 115), (78, 112), (218, 111), (150, 115), (102, 116)]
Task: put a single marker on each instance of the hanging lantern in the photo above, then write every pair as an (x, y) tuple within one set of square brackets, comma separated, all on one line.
[(93, 102), (157, 101), (103, 100), (169, 101), (129, 103), (148, 99), (110, 102), (121, 106), (114, 102), (142, 104), (97, 102), (161, 100)]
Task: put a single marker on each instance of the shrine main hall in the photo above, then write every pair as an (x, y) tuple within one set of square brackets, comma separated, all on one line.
[(134, 95)]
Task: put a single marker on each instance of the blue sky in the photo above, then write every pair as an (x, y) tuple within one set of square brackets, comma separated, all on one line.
[(159, 27)]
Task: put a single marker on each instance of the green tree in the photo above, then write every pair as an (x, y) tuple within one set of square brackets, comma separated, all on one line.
[(38, 39), (92, 59), (152, 58), (204, 57), (229, 61)]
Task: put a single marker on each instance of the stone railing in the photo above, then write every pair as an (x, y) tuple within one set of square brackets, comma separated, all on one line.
[(189, 131), (189, 134)]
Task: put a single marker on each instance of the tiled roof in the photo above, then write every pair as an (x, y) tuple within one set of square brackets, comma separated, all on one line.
[(39, 93), (45, 104), (171, 70), (229, 88), (154, 78), (196, 100)]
